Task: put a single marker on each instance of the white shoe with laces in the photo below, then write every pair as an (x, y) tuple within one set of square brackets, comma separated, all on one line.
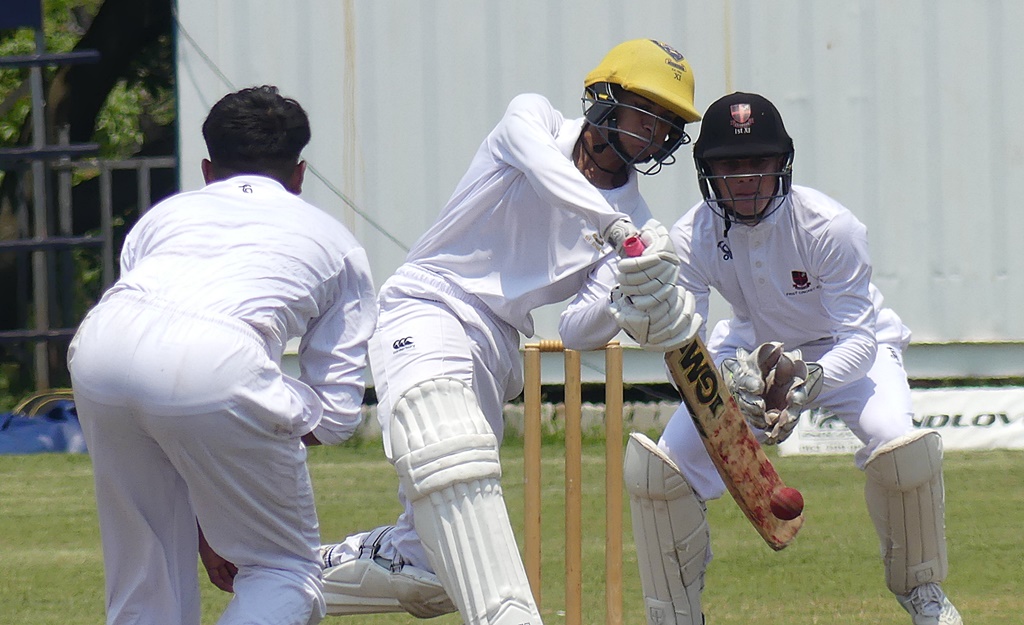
[(373, 584), (928, 605)]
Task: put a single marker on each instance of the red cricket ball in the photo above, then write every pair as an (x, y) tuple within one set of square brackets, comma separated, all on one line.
[(787, 503)]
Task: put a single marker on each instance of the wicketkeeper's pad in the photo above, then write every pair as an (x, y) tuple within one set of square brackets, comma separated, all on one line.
[(905, 498), (671, 532)]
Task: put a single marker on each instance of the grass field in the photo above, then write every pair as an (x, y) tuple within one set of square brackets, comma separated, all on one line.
[(50, 554)]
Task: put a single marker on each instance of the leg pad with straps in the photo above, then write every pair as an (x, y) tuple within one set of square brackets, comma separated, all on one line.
[(372, 584), (671, 532), (447, 461), (905, 498)]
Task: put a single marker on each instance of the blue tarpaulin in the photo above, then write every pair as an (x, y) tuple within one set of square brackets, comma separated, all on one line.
[(56, 430)]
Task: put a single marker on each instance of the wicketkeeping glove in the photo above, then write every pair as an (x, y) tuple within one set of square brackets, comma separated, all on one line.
[(772, 387), (663, 327), (648, 279), (745, 381)]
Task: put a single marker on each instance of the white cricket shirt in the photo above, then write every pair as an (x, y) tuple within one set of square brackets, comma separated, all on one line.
[(802, 276), (248, 249), (514, 233)]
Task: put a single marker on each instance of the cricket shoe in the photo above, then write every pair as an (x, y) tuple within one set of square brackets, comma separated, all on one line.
[(372, 583), (928, 605)]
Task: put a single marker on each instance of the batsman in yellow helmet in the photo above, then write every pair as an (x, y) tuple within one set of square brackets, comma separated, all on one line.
[(538, 218), (659, 74)]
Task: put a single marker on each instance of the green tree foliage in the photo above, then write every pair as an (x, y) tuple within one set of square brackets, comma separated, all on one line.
[(63, 28), (124, 103), (139, 109)]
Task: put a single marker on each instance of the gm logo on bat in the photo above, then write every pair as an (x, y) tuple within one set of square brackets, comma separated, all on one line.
[(702, 375)]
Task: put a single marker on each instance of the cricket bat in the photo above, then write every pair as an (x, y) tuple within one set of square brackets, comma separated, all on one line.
[(742, 463), (739, 458)]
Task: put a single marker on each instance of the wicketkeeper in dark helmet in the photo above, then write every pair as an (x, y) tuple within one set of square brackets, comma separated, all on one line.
[(794, 266)]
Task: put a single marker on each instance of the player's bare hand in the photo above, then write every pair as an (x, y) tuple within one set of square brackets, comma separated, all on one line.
[(221, 572)]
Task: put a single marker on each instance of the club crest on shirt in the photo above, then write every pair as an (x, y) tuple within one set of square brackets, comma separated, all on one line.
[(800, 280)]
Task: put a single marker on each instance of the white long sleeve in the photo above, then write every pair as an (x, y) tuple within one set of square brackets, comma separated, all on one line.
[(513, 233), (802, 277)]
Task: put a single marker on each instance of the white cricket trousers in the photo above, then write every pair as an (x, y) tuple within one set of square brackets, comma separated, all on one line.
[(428, 329), (187, 417)]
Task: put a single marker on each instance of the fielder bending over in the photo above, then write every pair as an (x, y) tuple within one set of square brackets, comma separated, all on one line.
[(529, 224), (178, 384), (794, 266)]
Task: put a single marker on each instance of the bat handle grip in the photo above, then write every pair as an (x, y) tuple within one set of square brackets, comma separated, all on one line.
[(633, 246)]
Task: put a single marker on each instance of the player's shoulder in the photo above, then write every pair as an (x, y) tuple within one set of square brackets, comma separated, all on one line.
[(694, 234), (321, 225), (697, 219), (809, 199), (267, 200), (533, 105), (530, 100), (817, 211), (169, 208)]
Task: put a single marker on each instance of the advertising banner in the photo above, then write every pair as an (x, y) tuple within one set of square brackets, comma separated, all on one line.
[(967, 418)]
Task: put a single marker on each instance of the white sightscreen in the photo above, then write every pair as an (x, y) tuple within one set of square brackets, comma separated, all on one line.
[(906, 111)]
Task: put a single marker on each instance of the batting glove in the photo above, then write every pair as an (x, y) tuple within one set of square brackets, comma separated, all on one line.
[(648, 279), (660, 328)]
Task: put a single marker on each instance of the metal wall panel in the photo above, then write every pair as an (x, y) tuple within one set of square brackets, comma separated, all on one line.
[(904, 110)]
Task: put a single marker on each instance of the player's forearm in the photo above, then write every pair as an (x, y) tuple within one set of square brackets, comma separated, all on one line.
[(342, 414), (587, 326), (526, 140), (334, 367), (848, 361)]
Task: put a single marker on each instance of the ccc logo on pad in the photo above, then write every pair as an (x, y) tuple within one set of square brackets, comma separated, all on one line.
[(402, 344)]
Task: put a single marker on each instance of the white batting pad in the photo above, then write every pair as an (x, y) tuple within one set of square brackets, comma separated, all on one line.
[(905, 499), (447, 461), (671, 533)]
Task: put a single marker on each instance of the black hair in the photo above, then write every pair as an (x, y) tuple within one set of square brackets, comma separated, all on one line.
[(256, 131)]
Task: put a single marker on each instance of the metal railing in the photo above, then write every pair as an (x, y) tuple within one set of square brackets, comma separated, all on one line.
[(45, 256)]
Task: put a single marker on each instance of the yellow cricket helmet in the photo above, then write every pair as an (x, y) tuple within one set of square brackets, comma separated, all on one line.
[(651, 69)]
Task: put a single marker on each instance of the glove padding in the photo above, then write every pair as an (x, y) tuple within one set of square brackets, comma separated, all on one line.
[(771, 387), (648, 279), (663, 327)]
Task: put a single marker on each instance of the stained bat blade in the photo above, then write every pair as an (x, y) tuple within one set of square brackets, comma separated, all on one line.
[(739, 458)]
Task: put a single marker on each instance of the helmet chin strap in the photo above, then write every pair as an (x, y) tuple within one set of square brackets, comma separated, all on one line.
[(616, 143), (731, 216), (599, 148)]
